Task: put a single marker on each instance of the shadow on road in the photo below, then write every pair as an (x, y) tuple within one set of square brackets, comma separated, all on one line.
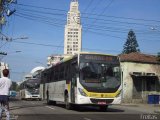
[(79, 108), (24, 106), (21, 106)]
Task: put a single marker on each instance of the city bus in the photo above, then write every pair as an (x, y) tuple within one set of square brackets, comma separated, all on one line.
[(29, 89), (83, 79)]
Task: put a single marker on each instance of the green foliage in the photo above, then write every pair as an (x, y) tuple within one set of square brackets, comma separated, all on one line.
[(131, 44), (14, 86)]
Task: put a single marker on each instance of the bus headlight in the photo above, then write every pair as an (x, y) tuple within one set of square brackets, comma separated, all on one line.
[(82, 92)]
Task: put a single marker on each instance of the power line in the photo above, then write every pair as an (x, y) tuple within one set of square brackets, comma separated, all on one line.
[(42, 12), (54, 19), (100, 28), (127, 18), (91, 1), (41, 21), (105, 20), (57, 46), (40, 7), (101, 13), (31, 43), (130, 18), (41, 17)]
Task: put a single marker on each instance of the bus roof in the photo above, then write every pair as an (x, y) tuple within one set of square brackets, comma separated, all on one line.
[(95, 53), (69, 57)]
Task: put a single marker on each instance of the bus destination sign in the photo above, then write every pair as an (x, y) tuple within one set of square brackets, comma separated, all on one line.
[(100, 58)]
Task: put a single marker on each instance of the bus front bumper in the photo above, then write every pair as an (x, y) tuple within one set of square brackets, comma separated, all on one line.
[(98, 101)]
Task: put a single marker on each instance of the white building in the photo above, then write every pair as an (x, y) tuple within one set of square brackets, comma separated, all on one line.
[(73, 30), (54, 59)]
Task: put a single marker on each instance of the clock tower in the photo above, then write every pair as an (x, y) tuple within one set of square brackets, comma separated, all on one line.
[(73, 30)]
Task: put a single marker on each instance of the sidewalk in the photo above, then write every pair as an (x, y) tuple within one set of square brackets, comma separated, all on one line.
[(12, 117), (148, 108)]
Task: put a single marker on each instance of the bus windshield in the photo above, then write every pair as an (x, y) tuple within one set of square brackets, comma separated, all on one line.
[(99, 75), (33, 91)]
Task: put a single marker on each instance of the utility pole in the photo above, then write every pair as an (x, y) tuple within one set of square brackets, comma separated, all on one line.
[(6, 11), (1, 12)]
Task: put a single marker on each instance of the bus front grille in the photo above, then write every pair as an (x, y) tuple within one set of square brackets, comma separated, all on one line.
[(97, 101)]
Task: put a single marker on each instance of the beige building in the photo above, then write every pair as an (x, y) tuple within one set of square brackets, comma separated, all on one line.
[(53, 59), (140, 77), (73, 30)]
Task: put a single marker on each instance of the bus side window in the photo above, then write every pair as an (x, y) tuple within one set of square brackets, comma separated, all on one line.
[(61, 72), (56, 74), (52, 74), (67, 74)]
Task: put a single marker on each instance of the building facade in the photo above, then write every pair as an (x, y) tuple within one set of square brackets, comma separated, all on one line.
[(53, 59), (140, 77), (73, 30)]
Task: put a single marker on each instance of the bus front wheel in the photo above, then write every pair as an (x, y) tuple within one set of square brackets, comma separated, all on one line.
[(67, 104)]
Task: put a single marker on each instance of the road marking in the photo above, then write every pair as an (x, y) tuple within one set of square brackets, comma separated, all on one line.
[(87, 119), (50, 107)]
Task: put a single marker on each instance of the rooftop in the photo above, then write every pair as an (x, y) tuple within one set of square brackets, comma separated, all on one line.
[(139, 57)]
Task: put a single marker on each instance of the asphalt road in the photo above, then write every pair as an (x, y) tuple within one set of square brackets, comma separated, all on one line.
[(39, 110)]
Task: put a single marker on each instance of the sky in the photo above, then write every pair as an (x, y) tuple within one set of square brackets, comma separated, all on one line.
[(105, 26)]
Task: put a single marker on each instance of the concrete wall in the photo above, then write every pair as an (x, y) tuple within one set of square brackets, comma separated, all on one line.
[(127, 80)]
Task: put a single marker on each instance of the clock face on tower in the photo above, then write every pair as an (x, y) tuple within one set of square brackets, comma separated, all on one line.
[(74, 18)]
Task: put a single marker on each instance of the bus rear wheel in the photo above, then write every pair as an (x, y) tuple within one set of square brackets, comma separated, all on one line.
[(67, 104), (48, 101)]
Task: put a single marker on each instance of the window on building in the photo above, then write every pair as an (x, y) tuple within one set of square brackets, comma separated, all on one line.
[(151, 84)]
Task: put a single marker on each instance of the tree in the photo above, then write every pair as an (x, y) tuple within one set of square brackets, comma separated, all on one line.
[(14, 86), (131, 44)]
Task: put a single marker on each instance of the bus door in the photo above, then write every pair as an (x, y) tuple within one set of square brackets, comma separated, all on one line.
[(73, 79), (73, 85), (44, 91)]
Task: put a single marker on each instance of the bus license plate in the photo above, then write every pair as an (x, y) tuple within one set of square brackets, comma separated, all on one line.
[(101, 103)]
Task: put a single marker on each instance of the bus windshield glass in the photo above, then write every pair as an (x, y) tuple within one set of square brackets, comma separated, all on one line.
[(100, 75)]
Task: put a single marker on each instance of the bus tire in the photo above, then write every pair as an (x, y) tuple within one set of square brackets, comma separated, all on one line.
[(103, 108), (68, 106), (54, 103), (48, 101)]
